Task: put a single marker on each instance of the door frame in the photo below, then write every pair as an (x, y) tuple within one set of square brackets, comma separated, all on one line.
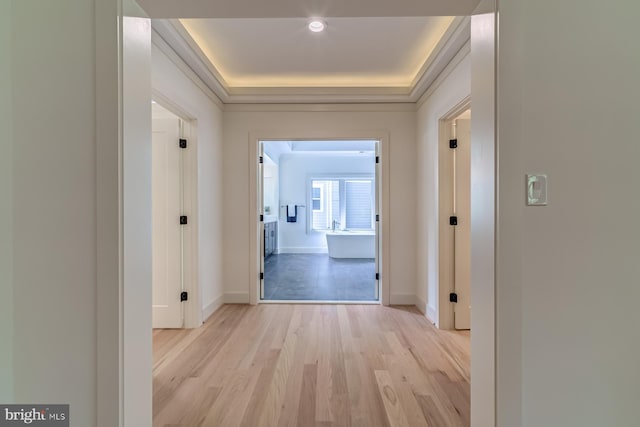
[(116, 352), (307, 222), (255, 227), (192, 314), (444, 308)]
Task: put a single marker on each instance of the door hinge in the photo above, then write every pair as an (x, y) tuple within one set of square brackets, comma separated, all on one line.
[(183, 219), (453, 220), (261, 276), (453, 297), (261, 218), (377, 159), (453, 143), (183, 143), (377, 218), (260, 159), (377, 276), (184, 296)]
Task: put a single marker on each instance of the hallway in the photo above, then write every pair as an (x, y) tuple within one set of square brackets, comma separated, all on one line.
[(305, 365)]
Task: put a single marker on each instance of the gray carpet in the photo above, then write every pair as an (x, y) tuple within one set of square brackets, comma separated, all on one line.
[(318, 277)]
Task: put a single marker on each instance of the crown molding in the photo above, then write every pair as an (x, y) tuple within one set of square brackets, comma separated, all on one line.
[(456, 36), (165, 48), (173, 36), (318, 108)]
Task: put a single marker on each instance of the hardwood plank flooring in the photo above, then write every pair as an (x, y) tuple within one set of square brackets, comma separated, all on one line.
[(311, 365)]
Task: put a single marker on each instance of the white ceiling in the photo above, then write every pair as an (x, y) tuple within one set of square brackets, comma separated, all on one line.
[(351, 52), (257, 51)]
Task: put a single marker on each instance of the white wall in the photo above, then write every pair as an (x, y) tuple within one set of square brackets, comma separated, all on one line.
[(173, 84), (401, 127), (568, 91), (451, 91), (6, 207), (54, 187), (295, 171)]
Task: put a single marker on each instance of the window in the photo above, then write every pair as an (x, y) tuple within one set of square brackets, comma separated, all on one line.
[(349, 203), (316, 198)]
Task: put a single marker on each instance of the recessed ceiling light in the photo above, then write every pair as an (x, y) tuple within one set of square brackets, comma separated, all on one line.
[(317, 25)]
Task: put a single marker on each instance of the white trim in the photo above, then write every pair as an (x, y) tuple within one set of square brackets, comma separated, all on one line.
[(451, 66), (308, 250), (432, 315), (390, 107), (320, 302), (454, 39), (173, 107), (255, 137), (185, 52), (236, 298), (402, 299), (212, 307), (421, 305), (158, 41)]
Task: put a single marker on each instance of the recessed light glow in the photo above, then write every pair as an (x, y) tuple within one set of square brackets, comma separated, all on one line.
[(317, 25)]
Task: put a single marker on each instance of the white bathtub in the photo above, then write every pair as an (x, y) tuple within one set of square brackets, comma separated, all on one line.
[(351, 244)]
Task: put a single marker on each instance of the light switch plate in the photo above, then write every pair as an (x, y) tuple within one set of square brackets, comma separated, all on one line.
[(536, 190)]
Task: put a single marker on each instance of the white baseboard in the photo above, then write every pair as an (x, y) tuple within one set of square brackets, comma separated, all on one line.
[(402, 299), (421, 305), (432, 315), (236, 298), (303, 251), (212, 307)]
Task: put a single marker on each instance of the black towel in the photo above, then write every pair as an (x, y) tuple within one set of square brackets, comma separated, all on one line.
[(294, 217)]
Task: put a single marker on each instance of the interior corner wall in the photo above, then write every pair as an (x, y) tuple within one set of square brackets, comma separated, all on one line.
[(172, 83), (6, 208), (54, 203), (568, 272), (401, 127), (452, 90)]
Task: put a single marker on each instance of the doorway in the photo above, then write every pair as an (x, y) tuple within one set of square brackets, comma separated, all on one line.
[(254, 233), (257, 204), (173, 221), (319, 220), (454, 196)]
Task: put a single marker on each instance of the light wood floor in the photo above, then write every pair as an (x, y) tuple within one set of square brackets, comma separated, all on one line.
[(311, 365)]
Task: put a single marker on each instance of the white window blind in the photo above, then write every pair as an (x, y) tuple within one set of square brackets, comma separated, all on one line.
[(358, 204)]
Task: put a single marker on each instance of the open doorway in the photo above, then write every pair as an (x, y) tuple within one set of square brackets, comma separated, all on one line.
[(454, 170), (252, 230), (174, 284), (319, 221)]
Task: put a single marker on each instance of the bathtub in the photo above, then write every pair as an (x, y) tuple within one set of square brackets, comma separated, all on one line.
[(351, 244)]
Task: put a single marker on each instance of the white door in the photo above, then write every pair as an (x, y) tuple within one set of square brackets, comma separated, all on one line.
[(167, 231), (462, 232)]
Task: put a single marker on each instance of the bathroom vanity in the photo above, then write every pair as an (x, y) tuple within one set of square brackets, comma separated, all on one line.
[(270, 237)]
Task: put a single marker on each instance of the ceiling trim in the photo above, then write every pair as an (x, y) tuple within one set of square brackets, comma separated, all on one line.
[(462, 53), (175, 37), (297, 107), (458, 33), (186, 68)]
